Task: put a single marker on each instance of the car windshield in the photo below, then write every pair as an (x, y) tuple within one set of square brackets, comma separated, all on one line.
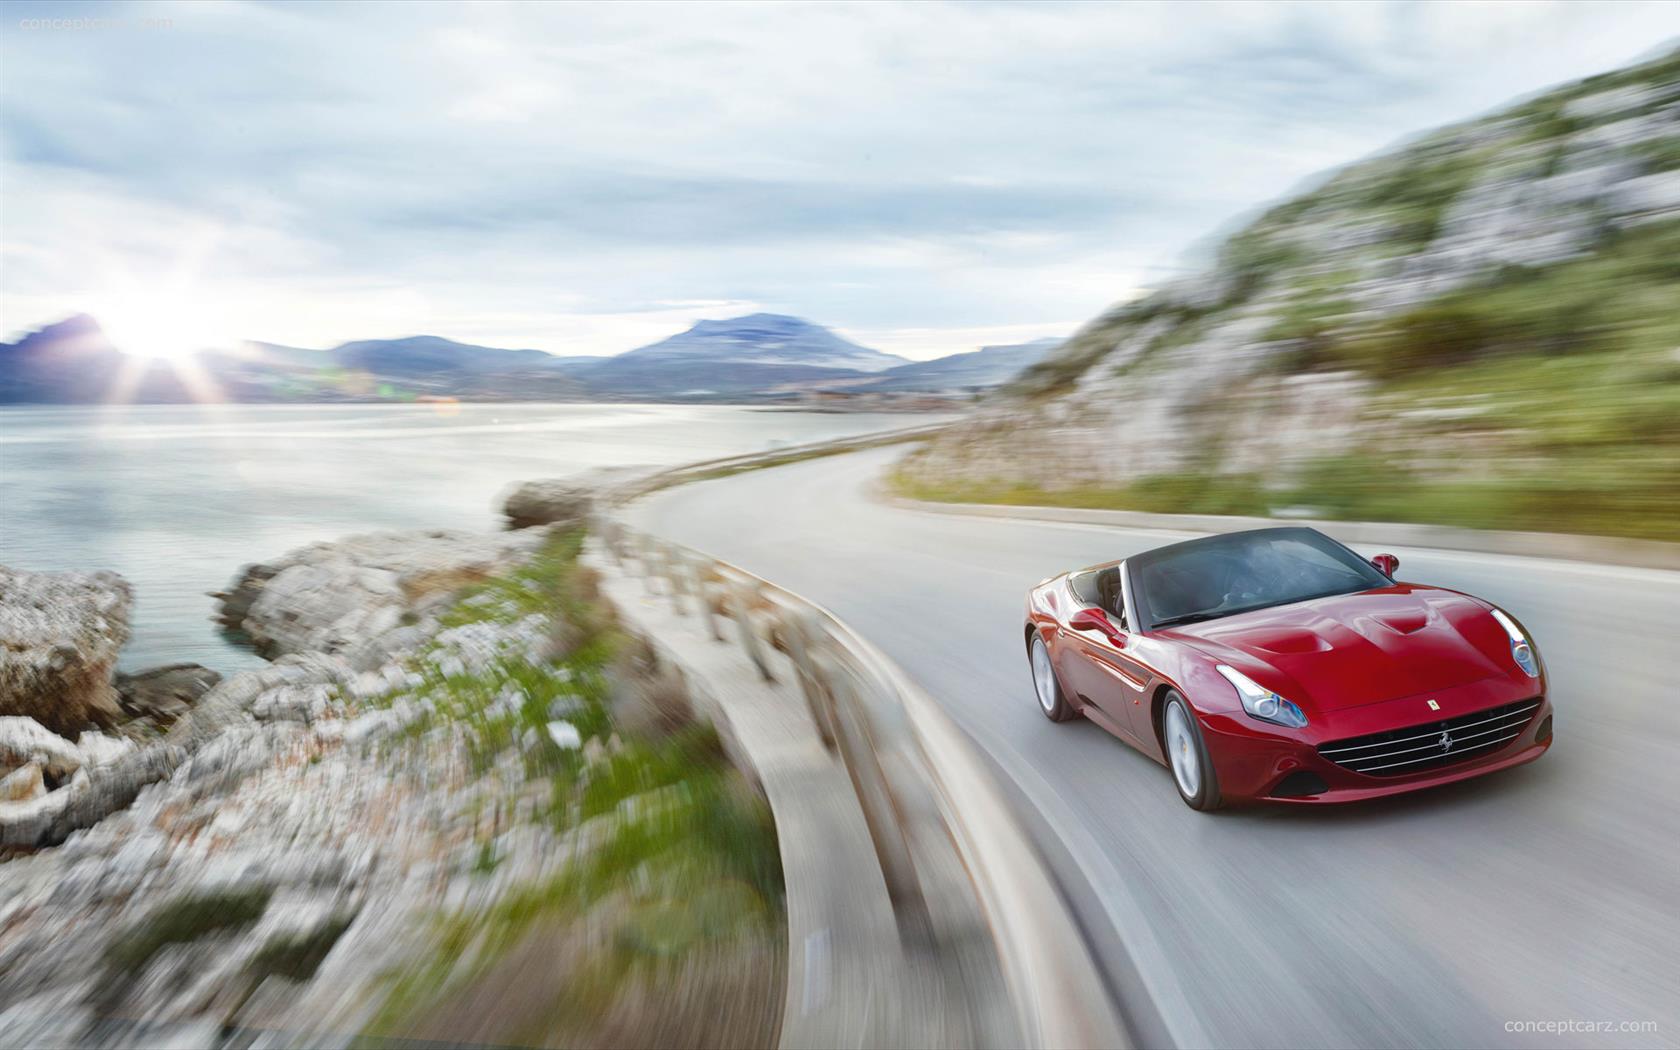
[(1222, 575)]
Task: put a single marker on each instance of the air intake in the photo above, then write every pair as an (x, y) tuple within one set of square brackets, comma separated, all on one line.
[(1300, 784)]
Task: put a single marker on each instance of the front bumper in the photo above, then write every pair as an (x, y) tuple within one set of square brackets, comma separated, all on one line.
[(1256, 764)]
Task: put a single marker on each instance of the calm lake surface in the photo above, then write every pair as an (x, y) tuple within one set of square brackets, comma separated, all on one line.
[(178, 498)]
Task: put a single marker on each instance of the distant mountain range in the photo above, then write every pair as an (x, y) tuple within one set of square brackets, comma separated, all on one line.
[(760, 356), (981, 369)]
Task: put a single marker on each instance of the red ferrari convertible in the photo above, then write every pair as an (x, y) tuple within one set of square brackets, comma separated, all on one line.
[(1279, 665)]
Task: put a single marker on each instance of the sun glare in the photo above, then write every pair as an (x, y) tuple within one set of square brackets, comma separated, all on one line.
[(161, 324)]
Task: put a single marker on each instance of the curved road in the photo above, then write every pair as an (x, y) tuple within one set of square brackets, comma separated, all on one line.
[(1549, 893)]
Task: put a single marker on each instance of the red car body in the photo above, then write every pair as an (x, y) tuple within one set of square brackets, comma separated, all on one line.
[(1402, 686)]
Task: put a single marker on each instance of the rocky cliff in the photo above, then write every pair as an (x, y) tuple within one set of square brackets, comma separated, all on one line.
[(1481, 327)]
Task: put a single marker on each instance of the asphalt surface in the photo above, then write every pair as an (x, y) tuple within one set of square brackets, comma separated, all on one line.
[(1548, 893)]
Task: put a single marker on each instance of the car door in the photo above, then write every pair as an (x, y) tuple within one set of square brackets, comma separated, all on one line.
[(1091, 674), (1098, 668)]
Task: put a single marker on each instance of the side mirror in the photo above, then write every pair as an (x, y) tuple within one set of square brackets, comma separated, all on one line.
[(1096, 620), (1387, 564)]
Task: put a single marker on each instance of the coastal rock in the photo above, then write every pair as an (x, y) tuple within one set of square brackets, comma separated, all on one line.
[(548, 502), (24, 741), (97, 749), (245, 846), (163, 694), (60, 633), (23, 784), (343, 596)]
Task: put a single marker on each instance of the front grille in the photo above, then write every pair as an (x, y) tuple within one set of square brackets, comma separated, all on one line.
[(1400, 752)]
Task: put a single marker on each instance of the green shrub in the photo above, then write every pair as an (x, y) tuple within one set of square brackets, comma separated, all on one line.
[(183, 920)]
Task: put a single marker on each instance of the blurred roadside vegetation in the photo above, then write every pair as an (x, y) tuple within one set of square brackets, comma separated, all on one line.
[(1571, 372), (1540, 397), (665, 926)]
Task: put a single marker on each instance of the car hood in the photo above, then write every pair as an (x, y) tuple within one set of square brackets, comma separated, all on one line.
[(1354, 649)]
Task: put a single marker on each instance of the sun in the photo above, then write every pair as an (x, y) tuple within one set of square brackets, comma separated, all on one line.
[(159, 323)]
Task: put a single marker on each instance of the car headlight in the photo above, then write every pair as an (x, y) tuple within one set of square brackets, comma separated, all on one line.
[(1261, 702), (1522, 650)]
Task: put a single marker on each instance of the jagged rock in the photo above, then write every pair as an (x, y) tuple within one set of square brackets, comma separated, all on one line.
[(60, 633), (112, 773), (163, 694), (347, 595), (1649, 198), (97, 749), (370, 726), (548, 502), (24, 741), (23, 784), (565, 735)]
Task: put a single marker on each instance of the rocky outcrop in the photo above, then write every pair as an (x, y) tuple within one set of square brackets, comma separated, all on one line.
[(339, 617), (280, 857), (60, 633), (45, 776), (548, 502), (160, 695), (334, 614), (264, 865), (331, 597)]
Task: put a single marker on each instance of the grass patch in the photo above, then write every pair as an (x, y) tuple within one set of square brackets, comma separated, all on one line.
[(183, 920), (1622, 297), (297, 957), (1186, 493), (1659, 154)]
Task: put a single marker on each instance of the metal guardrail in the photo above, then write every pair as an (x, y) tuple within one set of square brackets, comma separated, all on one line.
[(913, 770)]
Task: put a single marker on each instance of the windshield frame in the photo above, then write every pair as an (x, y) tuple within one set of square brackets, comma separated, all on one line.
[(1148, 620)]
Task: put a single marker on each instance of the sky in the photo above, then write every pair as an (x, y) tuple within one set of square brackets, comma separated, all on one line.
[(925, 178)]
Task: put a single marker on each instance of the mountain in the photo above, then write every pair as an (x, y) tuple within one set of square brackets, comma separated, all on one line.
[(70, 361), (1480, 327), (758, 356), (765, 339), (762, 355), (982, 369), (758, 353), (432, 365), (73, 362), (424, 355)]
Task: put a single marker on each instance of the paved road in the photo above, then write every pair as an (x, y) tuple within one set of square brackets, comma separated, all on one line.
[(1546, 893)]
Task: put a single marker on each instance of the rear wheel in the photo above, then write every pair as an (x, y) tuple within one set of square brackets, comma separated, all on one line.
[(1050, 698), (1181, 737)]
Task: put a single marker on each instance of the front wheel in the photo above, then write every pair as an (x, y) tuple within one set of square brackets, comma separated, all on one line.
[(1050, 697), (1181, 737)]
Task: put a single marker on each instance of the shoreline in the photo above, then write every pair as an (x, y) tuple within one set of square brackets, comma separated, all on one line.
[(180, 512)]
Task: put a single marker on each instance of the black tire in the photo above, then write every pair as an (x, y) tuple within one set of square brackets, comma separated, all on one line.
[(1181, 731), (1055, 706)]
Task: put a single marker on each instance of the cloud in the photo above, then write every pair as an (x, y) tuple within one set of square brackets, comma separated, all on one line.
[(553, 175)]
